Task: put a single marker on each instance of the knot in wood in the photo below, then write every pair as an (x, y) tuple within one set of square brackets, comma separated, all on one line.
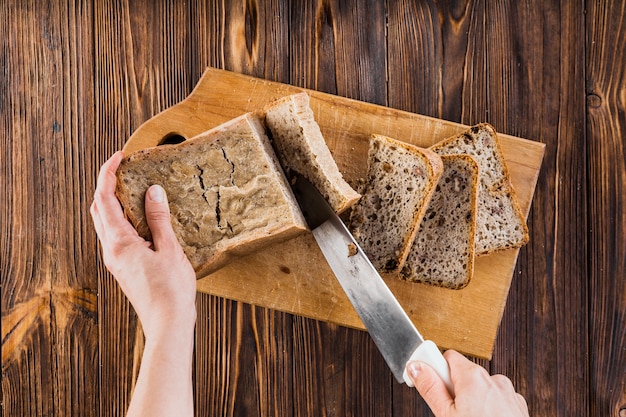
[(594, 101)]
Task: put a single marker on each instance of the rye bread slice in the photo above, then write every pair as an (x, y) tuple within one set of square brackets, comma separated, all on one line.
[(300, 147), (443, 251), (226, 190), (500, 223), (401, 179)]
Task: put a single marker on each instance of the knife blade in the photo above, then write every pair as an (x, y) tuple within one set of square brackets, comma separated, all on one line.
[(390, 327)]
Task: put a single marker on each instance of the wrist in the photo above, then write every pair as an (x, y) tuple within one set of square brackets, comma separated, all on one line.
[(172, 324)]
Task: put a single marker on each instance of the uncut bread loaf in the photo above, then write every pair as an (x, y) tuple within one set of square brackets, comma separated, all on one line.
[(226, 190), (500, 223), (400, 181), (443, 251), (300, 147)]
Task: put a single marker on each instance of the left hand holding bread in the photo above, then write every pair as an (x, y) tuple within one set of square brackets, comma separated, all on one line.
[(156, 276)]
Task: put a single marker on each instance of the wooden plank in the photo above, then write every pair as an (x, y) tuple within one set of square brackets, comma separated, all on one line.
[(339, 48), (551, 289), (49, 327), (251, 364), (606, 139), (293, 276), (415, 67), (141, 59), (26, 338)]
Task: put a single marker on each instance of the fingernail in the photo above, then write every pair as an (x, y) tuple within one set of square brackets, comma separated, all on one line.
[(415, 369), (155, 193)]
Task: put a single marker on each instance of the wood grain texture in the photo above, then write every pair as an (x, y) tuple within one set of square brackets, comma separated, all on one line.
[(606, 139), (77, 78), (49, 305), (552, 269)]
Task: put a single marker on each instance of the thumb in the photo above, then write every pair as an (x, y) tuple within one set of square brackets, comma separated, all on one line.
[(431, 387), (158, 217)]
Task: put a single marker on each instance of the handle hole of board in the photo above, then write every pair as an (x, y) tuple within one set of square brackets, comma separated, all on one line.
[(172, 139)]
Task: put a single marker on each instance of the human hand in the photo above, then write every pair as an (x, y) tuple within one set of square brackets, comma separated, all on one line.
[(160, 283), (156, 276), (476, 392)]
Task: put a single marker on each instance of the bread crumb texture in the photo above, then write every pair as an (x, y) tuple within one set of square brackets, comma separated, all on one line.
[(225, 190), (300, 147), (500, 223), (443, 251), (400, 180)]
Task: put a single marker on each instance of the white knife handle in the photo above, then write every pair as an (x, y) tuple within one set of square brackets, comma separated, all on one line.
[(429, 353)]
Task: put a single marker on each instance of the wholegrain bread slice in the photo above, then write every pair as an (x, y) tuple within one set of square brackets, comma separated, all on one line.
[(443, 251), (300, 147), (226, 190), (500, 223), (401, 179)]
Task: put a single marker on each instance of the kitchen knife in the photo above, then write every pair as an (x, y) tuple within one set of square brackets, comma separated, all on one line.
[(387, 323)]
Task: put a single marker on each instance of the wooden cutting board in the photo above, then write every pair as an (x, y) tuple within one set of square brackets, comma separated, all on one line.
[(293, 276)]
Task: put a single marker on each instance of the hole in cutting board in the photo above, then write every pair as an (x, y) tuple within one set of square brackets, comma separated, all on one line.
[(172, 139)]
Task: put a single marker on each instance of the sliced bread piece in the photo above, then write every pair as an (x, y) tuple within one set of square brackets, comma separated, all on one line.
[(443, 251), (500, 223), (300, 147), (400, 181), (227, 192)]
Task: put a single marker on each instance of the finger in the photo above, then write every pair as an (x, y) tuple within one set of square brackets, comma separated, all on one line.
[(463, 371), (522, 403), (97, 222), (507, 388), (108, 205), (108, 169), (115, 231), (158, 218), (431, 387), (503, 383), (460, 361)]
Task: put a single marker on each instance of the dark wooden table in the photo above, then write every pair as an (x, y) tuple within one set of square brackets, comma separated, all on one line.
[(77, 77)]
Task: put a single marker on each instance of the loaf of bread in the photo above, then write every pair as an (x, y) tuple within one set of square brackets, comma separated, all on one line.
[(227, 193), (500, 223), (401, 179), (300, 147), (443, 251)]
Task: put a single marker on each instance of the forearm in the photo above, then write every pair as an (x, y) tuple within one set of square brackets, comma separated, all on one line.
[(164, 386)]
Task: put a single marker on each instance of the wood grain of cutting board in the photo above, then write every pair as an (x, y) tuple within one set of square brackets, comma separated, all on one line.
[(293, 276)]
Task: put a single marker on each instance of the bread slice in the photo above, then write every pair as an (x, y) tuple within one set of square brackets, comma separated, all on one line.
[(443, 251), (300, 147), (500, 223), (401, 179), (227, 192)]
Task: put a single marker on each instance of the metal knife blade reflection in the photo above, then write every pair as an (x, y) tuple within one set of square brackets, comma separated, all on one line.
[(388, 324)]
